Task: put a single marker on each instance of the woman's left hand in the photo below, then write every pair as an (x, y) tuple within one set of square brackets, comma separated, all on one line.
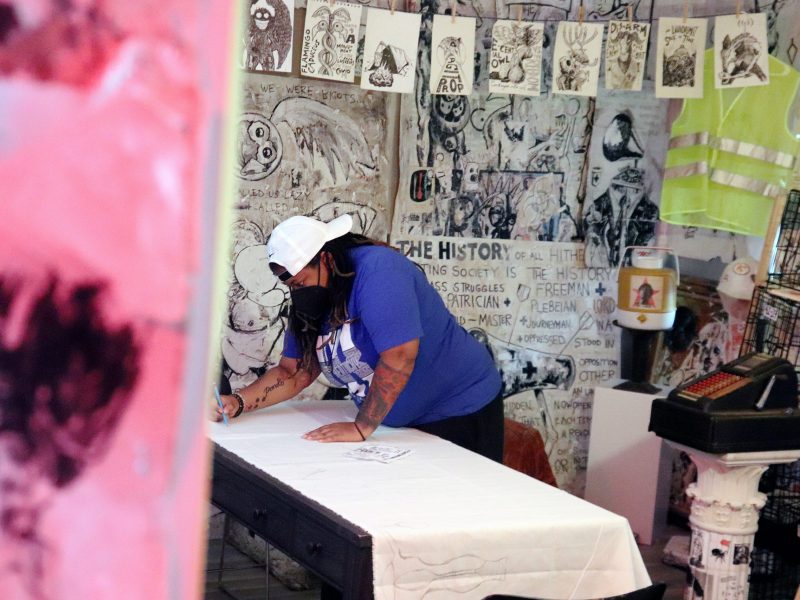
[(335, 432)]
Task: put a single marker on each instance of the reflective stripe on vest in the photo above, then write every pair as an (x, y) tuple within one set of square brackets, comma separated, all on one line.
[(742, 182), (704, 138)]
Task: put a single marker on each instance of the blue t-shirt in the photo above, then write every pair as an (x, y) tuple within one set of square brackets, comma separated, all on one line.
[(392, 303)]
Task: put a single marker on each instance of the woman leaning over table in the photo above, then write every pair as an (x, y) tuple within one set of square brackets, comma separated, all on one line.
[(366, 316)]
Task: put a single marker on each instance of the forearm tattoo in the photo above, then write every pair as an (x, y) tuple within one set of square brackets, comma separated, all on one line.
[(387, 383), (262, 399)]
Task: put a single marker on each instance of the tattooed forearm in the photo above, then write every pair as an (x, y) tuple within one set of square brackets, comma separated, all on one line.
[(387, 383), (270, 388)]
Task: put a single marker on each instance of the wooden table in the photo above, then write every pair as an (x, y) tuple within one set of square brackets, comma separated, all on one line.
[(339, 552)]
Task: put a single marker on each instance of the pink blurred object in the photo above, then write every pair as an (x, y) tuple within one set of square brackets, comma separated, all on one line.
[(108, 158)]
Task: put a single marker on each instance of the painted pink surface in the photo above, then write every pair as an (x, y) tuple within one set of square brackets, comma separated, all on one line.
[(107, 116)]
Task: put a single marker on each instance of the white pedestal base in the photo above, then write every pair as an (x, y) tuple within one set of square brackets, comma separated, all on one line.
[(724, 519)]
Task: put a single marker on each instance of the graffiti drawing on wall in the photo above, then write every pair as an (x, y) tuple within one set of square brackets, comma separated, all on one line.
[(390, 51), (783, 30), (330, 40), (449, 144), (626, 50), (545, 320), (740, 50), (680, 57), (576, 58), (561, 10), (515, 65), (304, 147), (628, 147), (268, 35)]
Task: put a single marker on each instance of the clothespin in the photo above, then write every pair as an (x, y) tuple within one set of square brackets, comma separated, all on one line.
[(519, 14), (630, 13), (685, 10), (391, 7), (580, 13), (738, 8), (453, 11)]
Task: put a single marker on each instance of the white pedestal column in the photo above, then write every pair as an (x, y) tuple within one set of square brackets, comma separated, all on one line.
[(724, 519)]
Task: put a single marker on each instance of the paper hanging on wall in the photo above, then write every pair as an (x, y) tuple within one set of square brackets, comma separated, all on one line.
[(330, 40), (680, 57), (626, 54), (268, 36), (515, 64), (740, 51), (576, 58), (390, 51), (452, 55)]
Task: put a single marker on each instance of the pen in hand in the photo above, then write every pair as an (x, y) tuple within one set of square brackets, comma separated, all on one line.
[(221, 406)]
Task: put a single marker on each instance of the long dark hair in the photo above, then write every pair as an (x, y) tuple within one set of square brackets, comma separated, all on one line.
[(340, 285)]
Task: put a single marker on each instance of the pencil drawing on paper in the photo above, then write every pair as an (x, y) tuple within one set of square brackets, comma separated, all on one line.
[(574, 67), (268, 41), (679, 56)]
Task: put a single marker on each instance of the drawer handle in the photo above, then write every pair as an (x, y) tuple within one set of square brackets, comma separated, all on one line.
[(314, 547), (259, 513)]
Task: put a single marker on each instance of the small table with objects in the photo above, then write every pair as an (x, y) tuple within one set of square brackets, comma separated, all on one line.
[(435, 519)]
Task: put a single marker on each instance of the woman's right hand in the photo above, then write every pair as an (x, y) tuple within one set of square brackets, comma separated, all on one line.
[(229, 405)]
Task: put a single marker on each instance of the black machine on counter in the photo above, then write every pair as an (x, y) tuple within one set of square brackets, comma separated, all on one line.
[(747, 405)]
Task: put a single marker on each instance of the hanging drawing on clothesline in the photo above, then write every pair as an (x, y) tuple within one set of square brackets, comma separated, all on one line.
[(680, 57), (626, 53), (740, 51), (390, 51), (268, 35), (452, 66), (330, 40), (576, 58), (515, 63), (627, 150)]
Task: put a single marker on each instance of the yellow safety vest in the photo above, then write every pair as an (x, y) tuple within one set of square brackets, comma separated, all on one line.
[(731, 153)]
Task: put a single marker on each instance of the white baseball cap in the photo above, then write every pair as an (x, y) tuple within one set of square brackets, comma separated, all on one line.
[(295, 241)]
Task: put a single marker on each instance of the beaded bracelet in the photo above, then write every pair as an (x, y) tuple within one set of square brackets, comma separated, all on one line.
[(240, 409)]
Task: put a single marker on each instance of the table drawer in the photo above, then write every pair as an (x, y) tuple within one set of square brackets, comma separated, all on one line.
[(256, 509), (321, 549)]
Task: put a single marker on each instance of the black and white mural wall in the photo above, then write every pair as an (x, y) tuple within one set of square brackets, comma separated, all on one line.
[(490, 165), (490, 199), (558, 10), (627, 152), (546, 320), (302, 147)]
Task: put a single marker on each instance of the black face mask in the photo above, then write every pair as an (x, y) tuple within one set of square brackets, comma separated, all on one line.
[(312, 302)]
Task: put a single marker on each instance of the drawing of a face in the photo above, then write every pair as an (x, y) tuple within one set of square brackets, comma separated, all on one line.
[(260, 147), (261, 12)]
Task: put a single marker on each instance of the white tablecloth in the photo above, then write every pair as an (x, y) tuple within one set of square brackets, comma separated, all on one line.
[(444, 522)]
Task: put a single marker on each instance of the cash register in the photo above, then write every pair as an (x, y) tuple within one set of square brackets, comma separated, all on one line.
[(747, 405)]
